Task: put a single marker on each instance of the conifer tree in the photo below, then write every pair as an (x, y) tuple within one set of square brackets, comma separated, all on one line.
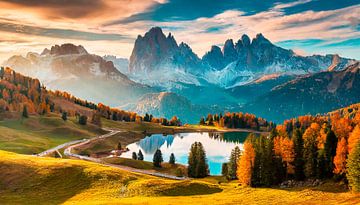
[(140, 155), (353, 168), (298, 149), (172, 159), (310, 150), (224, 169), (157, 159), (134, 156), (25, 113), (234, 158), (197, 167), (202, 121), (64, 116), (330, 152)]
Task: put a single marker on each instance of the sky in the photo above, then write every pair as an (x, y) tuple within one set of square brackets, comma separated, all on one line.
[(111, 26)]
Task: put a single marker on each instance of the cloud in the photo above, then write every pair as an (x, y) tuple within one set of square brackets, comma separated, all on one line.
[(64, 8), (60, 33)]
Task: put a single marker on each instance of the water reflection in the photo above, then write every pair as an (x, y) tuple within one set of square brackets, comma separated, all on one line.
[(217, 146)]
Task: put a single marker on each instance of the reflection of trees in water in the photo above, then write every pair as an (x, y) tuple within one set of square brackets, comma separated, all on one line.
[(234, 137), (152, 143)]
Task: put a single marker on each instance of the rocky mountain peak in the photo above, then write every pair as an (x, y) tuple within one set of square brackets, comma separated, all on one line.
[(65, 49), (245, 40)]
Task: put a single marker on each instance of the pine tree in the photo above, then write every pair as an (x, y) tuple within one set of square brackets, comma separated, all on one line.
[(172, 159), (197, 167), (353, 168), (330, 152), (140, 156), (298, 149), (157, 159), (201, 169), (202, 121), (119, 146), (310, 150), (192, 160), (224, 169), (64, 116), (134, 156), (83, 120), (25, 113), (234, 158)]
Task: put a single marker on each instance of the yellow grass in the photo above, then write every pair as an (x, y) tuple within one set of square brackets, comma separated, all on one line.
[(30, 180)]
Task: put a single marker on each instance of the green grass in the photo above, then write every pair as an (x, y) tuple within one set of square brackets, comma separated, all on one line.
[(38, 133)]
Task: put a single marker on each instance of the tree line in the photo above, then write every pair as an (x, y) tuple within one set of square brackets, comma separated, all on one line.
[(237, 120), (24, 94), (308, 147)]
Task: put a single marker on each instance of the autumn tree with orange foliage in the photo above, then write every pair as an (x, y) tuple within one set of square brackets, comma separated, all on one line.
[(246, 164), (340, 157), (354, 138)]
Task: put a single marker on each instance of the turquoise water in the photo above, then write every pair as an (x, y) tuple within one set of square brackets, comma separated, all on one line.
[(218, 147)]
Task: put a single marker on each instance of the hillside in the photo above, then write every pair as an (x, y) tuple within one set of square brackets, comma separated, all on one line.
[(310, 94), (32, 180), (38, 133)]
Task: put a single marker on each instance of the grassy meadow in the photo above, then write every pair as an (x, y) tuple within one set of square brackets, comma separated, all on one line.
[(30, 180)]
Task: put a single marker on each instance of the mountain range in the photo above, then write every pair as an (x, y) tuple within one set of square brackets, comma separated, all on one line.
[(165, 78)]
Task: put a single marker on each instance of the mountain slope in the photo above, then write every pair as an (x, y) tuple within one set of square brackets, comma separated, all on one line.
[(71, 68), (309, 94), (166, 104)]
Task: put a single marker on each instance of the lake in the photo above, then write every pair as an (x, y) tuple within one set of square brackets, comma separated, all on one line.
[(218, 147)]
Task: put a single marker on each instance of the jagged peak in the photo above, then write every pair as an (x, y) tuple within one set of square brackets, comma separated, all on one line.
[(65, 49), (260, 38), (245, 39)]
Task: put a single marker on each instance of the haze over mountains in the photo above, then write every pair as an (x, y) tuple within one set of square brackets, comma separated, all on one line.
[(165, 78)]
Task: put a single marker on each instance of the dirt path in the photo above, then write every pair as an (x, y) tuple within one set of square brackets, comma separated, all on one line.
[(73, 144)]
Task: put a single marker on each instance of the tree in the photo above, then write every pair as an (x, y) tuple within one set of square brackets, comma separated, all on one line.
[(64, 116), (330, 152), (354, 138), (25, 113), (246, 164), (157, 159), (83, 120), (202, 121), (198, 167), (134, 156), (340, 157), (172, 159), (224, 169), (140, 155), (119, 146), (310, 150), (353, 168), (298, 150), (234, 158), (96, 119)]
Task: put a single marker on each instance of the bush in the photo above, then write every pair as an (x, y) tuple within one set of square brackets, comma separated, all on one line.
[(83, 120)]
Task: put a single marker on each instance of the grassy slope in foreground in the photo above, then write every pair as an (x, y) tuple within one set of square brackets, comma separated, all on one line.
[(38, 133), (31, 180)]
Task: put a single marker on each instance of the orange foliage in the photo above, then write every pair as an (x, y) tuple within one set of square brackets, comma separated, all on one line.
[(354, 138), (246, 164), (340, 157)]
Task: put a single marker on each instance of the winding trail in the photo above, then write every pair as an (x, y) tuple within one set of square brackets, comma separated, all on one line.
[(73, 144)]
